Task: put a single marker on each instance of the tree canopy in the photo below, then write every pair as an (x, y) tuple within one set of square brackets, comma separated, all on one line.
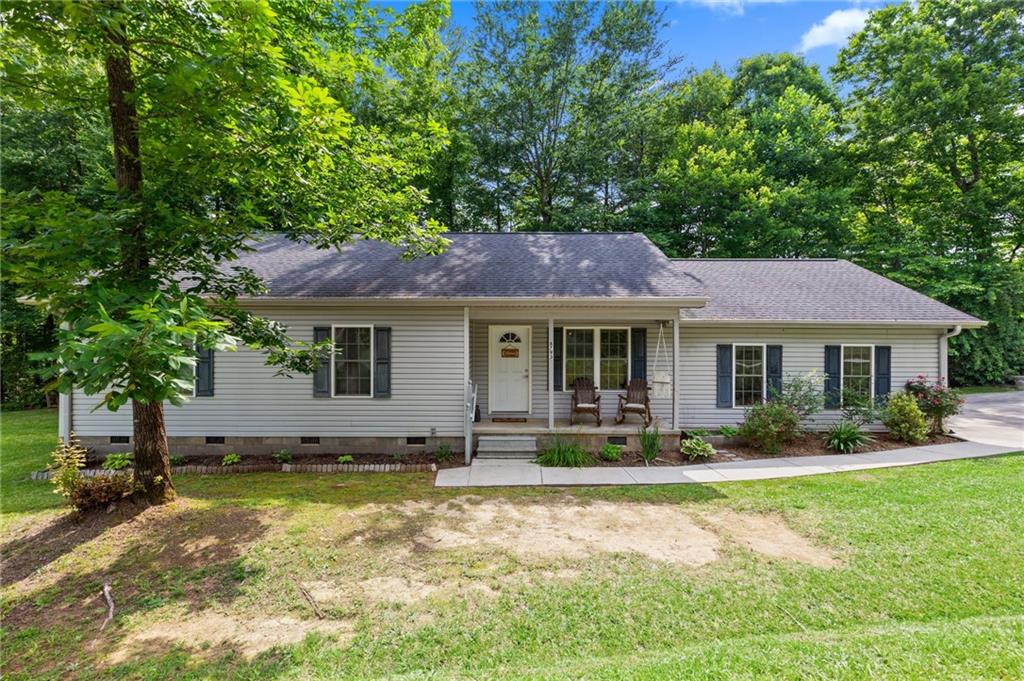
[(222, 121)]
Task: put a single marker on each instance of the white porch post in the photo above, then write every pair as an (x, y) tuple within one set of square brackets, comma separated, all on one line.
[(675, 372), (64, 416), (551, 373), (467, 427), (64, 425)]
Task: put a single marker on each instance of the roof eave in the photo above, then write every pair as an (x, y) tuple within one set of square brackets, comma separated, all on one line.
[(674, 301), (928, 323)]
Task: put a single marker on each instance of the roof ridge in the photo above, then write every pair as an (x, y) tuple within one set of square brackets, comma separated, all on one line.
[(759, 259)]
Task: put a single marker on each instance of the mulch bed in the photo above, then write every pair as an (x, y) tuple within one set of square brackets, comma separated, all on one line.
[(319, 459), (812, 444), (809, 444)]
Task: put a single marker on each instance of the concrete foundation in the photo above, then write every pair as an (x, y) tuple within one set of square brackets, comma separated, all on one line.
[(186, 445)]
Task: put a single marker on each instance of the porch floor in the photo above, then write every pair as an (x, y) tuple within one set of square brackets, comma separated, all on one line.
[(588, 427)]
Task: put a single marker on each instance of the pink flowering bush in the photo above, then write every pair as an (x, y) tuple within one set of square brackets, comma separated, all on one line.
[(936, 400)]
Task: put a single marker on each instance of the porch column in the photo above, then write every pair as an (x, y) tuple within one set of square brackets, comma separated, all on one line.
[(675, 372), (551, 373), (467, 428)]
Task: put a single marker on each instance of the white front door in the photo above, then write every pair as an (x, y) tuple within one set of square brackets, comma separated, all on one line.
[(509, 363)]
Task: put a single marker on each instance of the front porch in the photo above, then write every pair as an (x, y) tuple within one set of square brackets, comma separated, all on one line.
[(562, 427), (521, 363)]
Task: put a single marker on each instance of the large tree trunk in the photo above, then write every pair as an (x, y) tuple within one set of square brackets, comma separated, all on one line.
[(152, 465), (152, 459)]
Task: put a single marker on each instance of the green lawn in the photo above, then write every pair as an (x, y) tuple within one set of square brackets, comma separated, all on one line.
[(925, 582), (977, 389)]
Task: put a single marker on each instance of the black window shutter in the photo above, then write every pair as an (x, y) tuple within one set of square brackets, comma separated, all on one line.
[(204, 372), (322, 377), (833, 392), (558, 358), (724, 374), (382, 361), (774, 372), (638, 352), (883, 372)]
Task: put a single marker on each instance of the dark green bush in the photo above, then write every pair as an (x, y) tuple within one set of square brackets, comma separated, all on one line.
[(770, 425), (444, 453), (283, 456)]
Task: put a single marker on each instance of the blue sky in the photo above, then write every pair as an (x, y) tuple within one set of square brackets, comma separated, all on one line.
[(707, 31)]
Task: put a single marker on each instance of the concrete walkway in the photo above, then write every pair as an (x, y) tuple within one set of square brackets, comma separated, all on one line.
[(494, 474), (992, 418)]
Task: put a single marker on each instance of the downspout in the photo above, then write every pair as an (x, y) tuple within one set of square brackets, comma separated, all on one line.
[(944, 352), (64, 425)]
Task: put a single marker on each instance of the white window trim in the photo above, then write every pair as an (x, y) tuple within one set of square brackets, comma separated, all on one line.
[(597, 353), (372, 360), (842, 369), (764, 373)]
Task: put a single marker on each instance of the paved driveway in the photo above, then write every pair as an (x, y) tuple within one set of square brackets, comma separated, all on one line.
[(992, 418)]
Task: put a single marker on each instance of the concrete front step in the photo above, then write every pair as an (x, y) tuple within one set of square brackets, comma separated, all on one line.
[(517, 448)]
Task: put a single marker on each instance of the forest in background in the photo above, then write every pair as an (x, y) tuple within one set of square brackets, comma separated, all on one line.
[(908, 158)]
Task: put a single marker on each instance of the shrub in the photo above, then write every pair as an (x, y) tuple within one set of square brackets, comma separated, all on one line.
[(650, 443), (230, 459), (728, 431), (68, 459), (345, 458), (904, 419), (937, 401), (102, 490), (611, 452), (564, 454), (861, 410), (444, 453), (399, 457), (770, 425), (803, 394), (844, 436), (177, 460), (696, 448), (698, 432), (283, 456), (117, 461)]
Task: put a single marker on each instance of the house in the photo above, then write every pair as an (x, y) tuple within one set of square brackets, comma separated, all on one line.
[(504, 322)]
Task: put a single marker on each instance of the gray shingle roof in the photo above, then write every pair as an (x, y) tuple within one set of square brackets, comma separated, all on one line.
[(475, 265), (809, 290)]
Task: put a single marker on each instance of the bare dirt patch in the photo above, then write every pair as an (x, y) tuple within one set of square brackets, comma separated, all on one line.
[(568, 530), (214, 632), (770, 536)]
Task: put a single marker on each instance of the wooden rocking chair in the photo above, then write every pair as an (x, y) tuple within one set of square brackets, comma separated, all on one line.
[(585, 400), (635, 401)]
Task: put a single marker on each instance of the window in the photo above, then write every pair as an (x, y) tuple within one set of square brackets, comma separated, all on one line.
[(352, 361), (856, 373), (748, 375), (614, 372), (579, 356), (601, 355)]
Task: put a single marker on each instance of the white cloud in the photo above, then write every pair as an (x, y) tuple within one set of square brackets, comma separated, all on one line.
[(730, 6), (834, 30)]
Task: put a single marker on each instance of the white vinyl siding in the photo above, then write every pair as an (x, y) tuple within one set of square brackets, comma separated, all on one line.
[(426, 385), (914, 351)]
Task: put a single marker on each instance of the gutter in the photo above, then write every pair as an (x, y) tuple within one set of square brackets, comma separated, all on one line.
[(944, 351)]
